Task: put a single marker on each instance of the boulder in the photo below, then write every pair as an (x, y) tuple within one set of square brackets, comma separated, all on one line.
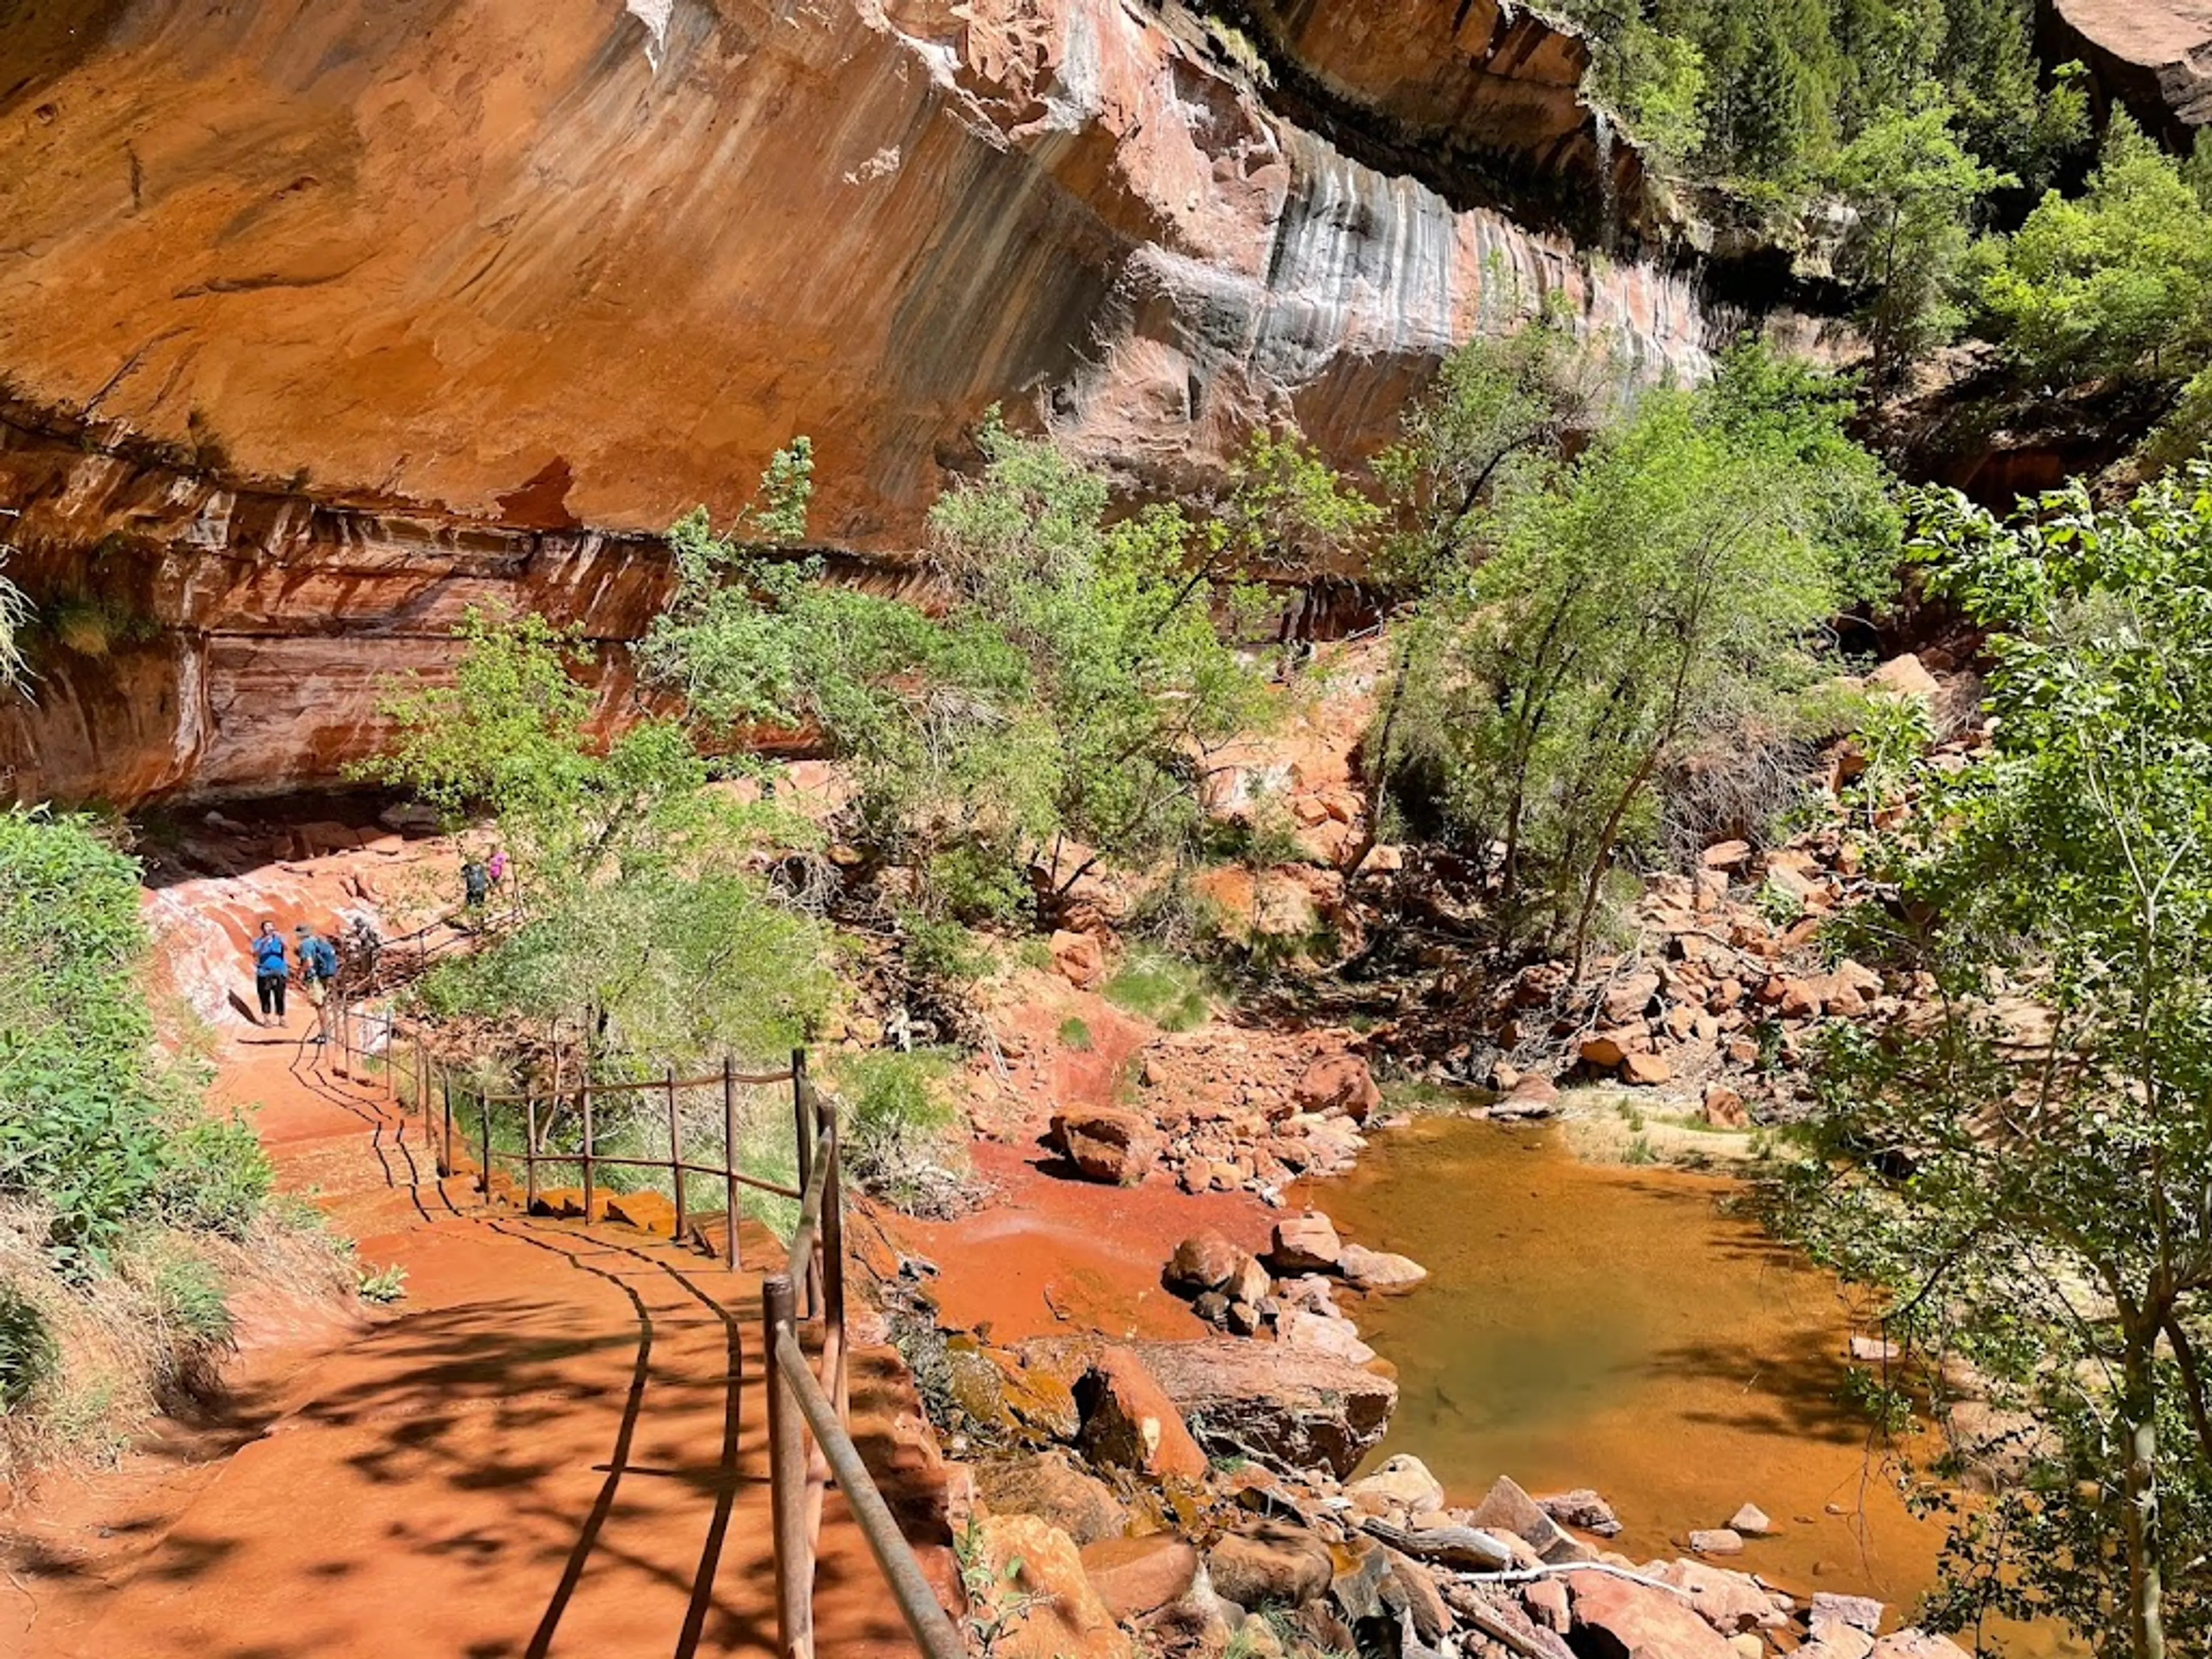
[(1138, 1576), (1050, 1486), (1724, 1108), (1338, 1083), (1546, 1599), (1204, 1261), (1274, 1566), (1727, 855), (1904, 678), (1107, 1145), (1403, 1483), (1337, 1336), (1859, 1612), (1248, 1284), (1614, 1618), (1580, 1508), (1036, 1595), (1729, 1602), (1305, 1243), (1288, 1406), (1530, 1096), (1078, 958), (1607, 1049), (1716, 1540), (1376, 1270), (1128, 1420), (1916, 1645), (1645, 1071), (1038, 1399), (1833, 1639), (1876, 1351), (1752, 1522), (1506, 1507)]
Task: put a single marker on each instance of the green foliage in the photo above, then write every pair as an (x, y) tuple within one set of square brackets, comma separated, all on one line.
[(190, 1295), (2038, 1205), (1174, 994), (1066, 694), (2118, 282), (29, 1358), (1670, 582), (1075, 1033), (94, 1123), (640, 905), (1912, 187), (382, 1285), (1656, 83)]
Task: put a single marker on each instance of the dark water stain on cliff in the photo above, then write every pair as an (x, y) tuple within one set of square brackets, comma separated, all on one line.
[(1614, 1327)]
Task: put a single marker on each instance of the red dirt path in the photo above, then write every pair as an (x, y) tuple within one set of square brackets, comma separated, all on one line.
[(556, 1445)]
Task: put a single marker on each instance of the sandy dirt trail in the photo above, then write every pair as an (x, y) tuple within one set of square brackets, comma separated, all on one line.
[(555, 1446)]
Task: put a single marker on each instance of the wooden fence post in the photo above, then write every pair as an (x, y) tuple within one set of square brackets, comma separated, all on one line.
[(584, 1101), (802, 1121), (529, 1154), (446, 1147), (676, 1152), (484, 1170), (787, 1442), (833, 1260), (730, 1157)]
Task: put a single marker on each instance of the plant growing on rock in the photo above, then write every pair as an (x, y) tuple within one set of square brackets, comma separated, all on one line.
[(2025, 1168)]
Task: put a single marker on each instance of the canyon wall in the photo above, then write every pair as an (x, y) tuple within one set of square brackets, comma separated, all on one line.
[(320, 320)]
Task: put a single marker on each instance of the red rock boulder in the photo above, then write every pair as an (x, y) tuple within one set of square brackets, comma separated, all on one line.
[(1107, 1145)]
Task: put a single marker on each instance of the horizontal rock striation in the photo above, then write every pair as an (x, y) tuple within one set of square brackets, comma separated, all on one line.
[(484, 296)]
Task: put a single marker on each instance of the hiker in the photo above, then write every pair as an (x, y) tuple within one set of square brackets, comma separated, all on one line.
[(497, 868), (476, 882), (271, 970), (319, 966)]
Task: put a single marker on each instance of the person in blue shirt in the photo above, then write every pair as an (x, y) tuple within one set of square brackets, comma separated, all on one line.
[(271, 970), (319, 966)]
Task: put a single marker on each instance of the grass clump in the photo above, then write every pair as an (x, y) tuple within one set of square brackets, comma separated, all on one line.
[(1174, 994), (1075, 1033)]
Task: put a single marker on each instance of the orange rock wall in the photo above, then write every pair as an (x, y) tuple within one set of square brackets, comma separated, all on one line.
[(456, 280)]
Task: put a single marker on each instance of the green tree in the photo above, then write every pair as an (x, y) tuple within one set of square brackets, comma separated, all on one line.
[(2024, 1165), (1494, 423), (2116, 282), (1912, 189), (1054, 707), (1672, 578)]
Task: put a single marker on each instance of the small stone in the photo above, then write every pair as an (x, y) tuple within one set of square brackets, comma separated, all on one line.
[(1338, 1083), (1727, 855), (1749, 1644), (1751, 1520), (1876, 1351), (1582, 1508), (1546, 1601), (1716, 1540), (1212, 1306), (1078, 958)]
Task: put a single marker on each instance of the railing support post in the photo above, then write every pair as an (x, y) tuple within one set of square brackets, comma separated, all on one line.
[(484, 1167), (530, 1155), (675, 1153), (802, 1121), (446, 1141), (730, 1157), (590, 1184), (832, 1262), (787, 1441)]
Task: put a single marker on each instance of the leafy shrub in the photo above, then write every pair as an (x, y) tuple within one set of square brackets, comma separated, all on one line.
[(1075, 1033), (896, 1123), (383, 1285), (98, 1128), (190, 1296), (29, 1360)]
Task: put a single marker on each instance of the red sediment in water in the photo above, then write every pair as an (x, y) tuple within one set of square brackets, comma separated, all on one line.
[(542, 1451)]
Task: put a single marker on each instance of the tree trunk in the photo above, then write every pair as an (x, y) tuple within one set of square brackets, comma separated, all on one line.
[(2146, 1587)]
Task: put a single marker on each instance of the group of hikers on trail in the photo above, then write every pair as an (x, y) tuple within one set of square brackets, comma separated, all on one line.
[(317, 958), (317, 961)]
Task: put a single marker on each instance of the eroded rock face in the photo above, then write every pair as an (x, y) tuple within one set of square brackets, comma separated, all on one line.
[(1292, 1406), (481, 292), (2153, 56)]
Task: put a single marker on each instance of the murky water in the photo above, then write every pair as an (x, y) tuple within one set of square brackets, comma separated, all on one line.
[(1609, 1327)]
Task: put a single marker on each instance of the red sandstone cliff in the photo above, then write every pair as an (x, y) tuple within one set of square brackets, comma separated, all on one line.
[(456, 280)]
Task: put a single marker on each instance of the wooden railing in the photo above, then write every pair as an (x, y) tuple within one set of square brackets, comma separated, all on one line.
[(809, 1411)]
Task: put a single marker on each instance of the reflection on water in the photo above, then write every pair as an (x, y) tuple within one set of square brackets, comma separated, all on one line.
[(1598, 1325)]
